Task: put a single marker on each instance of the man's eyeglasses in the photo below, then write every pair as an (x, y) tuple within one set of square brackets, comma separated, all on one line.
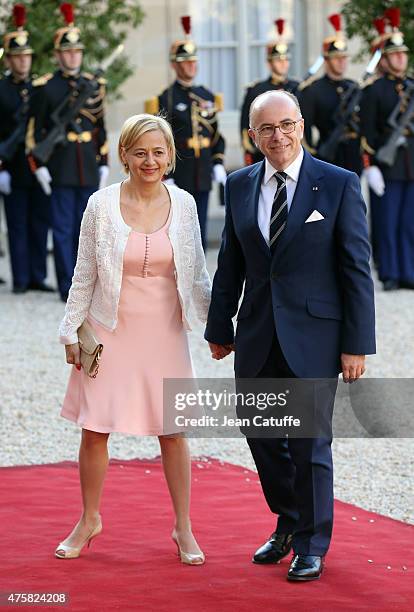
[(286, 127)]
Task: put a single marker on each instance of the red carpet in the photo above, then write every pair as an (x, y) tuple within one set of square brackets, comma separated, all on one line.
[(133, 565)]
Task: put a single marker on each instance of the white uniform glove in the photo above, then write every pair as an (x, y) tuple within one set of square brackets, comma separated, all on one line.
[(169, 181), (375, 180), (43, 176), (5, 182), (103, 175), (219, 174)]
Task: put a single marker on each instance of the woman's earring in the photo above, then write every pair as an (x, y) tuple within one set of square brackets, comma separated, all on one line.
[(126, 167)]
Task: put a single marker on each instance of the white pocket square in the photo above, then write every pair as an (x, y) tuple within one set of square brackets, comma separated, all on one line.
[(315, 216)]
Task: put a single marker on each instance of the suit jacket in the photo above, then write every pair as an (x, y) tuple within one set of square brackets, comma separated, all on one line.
[(316, 290), (193, 115), (12, 96), (74, 162), (321, 101), (378, 102)]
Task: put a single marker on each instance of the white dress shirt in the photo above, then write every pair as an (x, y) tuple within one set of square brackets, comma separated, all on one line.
[(268, 190)]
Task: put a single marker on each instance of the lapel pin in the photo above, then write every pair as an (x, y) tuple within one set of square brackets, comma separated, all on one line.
[(315, 188)]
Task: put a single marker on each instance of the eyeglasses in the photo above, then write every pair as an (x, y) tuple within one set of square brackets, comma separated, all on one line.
[(286, 127)]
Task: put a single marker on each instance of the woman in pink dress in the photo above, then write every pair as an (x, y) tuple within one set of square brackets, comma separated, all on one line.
[(140, 266)]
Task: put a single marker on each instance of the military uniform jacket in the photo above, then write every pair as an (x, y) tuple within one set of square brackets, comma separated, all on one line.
[(75, 162), (378, 102), (254, 90), (192, 113), (13, 95), (319, 102)]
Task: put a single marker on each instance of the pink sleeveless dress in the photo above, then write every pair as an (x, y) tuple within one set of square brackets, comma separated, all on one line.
[(148, 344)]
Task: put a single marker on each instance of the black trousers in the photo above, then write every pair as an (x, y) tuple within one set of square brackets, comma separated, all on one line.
[(28, 220), (296, 474)]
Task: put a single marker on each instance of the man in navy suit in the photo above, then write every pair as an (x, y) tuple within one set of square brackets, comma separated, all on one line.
[(296, 240)]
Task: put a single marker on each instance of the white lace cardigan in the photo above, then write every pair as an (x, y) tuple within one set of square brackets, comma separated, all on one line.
[(96, 282)]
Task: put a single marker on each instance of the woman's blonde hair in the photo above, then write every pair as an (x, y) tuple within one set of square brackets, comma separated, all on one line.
[(137, 125)]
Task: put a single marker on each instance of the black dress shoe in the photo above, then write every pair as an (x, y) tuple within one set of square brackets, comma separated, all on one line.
[(2, 281), (64, 297), (390, 285), (305, 567), (272, 551), (41, 287), (19, 289)]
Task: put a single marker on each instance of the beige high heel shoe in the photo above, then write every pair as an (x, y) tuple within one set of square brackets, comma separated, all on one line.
[(188, 558), (63, 551)]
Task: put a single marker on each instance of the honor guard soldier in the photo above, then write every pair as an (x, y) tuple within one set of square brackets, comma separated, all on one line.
[(66, 139), (278, 59), (27, 207), (324, 105), (387, 129), (374, 198), (192, 112)]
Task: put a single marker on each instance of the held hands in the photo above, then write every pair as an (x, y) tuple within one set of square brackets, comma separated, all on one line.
[(103, 176), (375, 180), (5, 182), (43, 176), (219, 351), (353, 367), (73, 354), (219, 174)]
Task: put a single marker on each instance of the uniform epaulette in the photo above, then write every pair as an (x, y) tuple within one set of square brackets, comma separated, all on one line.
[(371, 80), (88, 75), (102, 80), (152, 106), (42, 80), (308, 82), (253, 84), (365, 146), (219, 101)]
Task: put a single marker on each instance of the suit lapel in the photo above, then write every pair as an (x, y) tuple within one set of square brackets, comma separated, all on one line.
[(305, 200), (252, 203)]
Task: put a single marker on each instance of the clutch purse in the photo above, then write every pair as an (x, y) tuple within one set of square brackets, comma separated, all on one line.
[(90, 349)]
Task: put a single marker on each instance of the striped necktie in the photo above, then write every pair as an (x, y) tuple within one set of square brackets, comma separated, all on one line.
[(279, 213)]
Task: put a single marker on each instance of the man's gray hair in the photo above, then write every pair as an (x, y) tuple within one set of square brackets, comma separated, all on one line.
[(261, 99)]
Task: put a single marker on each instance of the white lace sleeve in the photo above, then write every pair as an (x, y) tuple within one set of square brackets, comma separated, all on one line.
[(84, 278), (201, 292)]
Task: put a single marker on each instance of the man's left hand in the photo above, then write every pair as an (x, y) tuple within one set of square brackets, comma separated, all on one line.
[(353, 367), (219, 351)]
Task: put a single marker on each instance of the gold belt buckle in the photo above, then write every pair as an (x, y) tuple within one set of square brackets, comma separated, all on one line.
[(203, 142), (86, 136), (82, 137)]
